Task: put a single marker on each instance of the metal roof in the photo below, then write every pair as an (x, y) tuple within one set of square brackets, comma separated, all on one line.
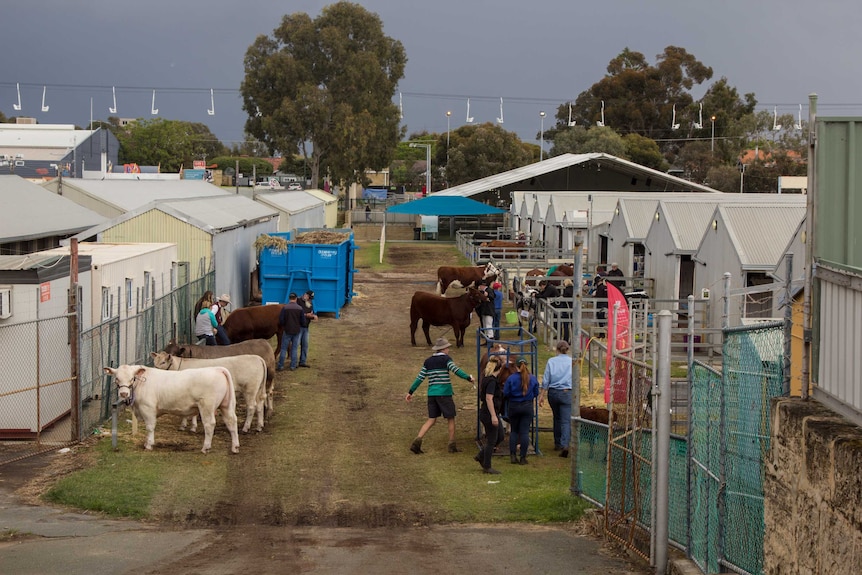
[(637, 214), (564, 161), (289, 202), (127, 195), (107, 253), (760, 232), (30, 261), (41, 141), (687, 221), (322, 194), (29, 211), (213, 214), (219, 213)]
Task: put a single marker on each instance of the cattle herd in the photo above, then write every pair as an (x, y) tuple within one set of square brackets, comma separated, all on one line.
[(195, 380)]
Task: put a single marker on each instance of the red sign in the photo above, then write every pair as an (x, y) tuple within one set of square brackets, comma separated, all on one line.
[(621, 367), (44, 292), (199, 164)]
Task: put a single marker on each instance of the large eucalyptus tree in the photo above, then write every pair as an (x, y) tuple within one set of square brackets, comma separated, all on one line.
[(325, 87)]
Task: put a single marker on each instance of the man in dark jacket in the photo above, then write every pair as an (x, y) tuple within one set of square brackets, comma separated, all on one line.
[(291, 319), (485, 310)]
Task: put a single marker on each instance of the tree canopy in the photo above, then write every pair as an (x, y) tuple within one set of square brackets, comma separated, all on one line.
[(638, 97), (170, 144), (324, 87), (477, 151)]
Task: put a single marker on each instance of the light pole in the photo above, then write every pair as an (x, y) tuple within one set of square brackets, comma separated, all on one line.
[(427, 164), (712, 139), (542, 135), (448, 115)]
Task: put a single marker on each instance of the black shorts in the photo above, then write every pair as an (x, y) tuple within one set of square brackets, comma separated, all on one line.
[(441, 405)]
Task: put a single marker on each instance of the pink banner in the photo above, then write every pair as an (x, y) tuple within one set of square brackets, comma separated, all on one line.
[(621, 368)]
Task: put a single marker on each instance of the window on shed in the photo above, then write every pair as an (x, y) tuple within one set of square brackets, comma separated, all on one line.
[(758, 304), (106, 303), (147, 294), (130, 294)]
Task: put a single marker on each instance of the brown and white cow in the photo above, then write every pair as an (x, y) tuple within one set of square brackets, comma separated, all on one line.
[(260, 347), (249, 379), (458, 277), (152, 392), (437, 310)]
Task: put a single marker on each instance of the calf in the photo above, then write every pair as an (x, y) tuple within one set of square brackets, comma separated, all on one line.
[(258, 347), (438, 310), (152, 392), (248, 373)]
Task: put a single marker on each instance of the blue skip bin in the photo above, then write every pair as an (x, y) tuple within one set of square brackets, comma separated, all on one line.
[(326, 269)]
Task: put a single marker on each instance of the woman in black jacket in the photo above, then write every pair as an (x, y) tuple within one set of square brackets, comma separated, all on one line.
[(491, 398)]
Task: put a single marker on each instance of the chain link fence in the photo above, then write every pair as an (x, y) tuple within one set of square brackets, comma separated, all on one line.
[(36, 380), (716, 468)]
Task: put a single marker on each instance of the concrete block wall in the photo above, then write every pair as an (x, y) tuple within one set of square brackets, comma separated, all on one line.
[(813, 491)]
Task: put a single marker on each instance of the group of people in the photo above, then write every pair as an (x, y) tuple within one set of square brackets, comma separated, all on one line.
[(511, 399), (210, 317), (295, 317)]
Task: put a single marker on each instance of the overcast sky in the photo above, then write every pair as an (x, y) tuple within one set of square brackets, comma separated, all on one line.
[(534, 54)]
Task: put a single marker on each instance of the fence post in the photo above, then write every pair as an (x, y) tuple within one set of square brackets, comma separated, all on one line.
[(788, 325), (690, 351), (73, 320), (661, 390), (725, 310)]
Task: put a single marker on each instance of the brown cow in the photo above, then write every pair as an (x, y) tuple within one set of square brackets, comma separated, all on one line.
[(259, 347), (437, 310), (466, 276), (255, 322)]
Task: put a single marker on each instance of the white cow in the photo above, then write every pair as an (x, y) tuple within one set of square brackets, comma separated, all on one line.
[(249, 379), (153, 392)]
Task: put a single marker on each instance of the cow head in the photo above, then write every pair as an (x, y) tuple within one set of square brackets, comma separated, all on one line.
[(491, 271), (161, 360), (127, 376), (476, 296)]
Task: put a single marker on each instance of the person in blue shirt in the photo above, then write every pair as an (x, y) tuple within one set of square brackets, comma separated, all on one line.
[(557, 386), (520, 389), (498, 307)]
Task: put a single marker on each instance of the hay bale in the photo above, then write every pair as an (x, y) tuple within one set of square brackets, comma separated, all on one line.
[(321, 237)]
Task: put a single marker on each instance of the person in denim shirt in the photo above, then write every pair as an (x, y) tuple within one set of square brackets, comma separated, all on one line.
[(520, 389), (557, 385), (498, 307), (291, 320)]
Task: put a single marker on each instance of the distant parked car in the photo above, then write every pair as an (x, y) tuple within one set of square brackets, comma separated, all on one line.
[(294, 186)]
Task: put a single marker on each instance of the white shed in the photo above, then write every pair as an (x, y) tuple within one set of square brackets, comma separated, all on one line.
[(748, 241), (36, 355)]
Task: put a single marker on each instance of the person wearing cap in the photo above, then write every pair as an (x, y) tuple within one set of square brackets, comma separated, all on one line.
[(613, 276), (290, 320), (222, 302), (308, 313), (520, 389), (436, 369), (498, 307), (557, 387)]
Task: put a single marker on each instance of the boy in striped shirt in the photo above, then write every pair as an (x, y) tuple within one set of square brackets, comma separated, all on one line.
[(436, 368)]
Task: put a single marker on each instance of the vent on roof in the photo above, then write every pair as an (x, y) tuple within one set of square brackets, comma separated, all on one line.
[(5, 303)]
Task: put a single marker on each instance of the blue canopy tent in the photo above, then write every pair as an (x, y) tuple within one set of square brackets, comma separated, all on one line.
[(439, 206), (445, 206)]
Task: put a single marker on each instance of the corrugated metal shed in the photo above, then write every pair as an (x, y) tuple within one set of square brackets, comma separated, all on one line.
[(112, 198), (686, 221), (760, 233), (579, 171), (297, 210), (219, 213), (41, 141), (29, 212)]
